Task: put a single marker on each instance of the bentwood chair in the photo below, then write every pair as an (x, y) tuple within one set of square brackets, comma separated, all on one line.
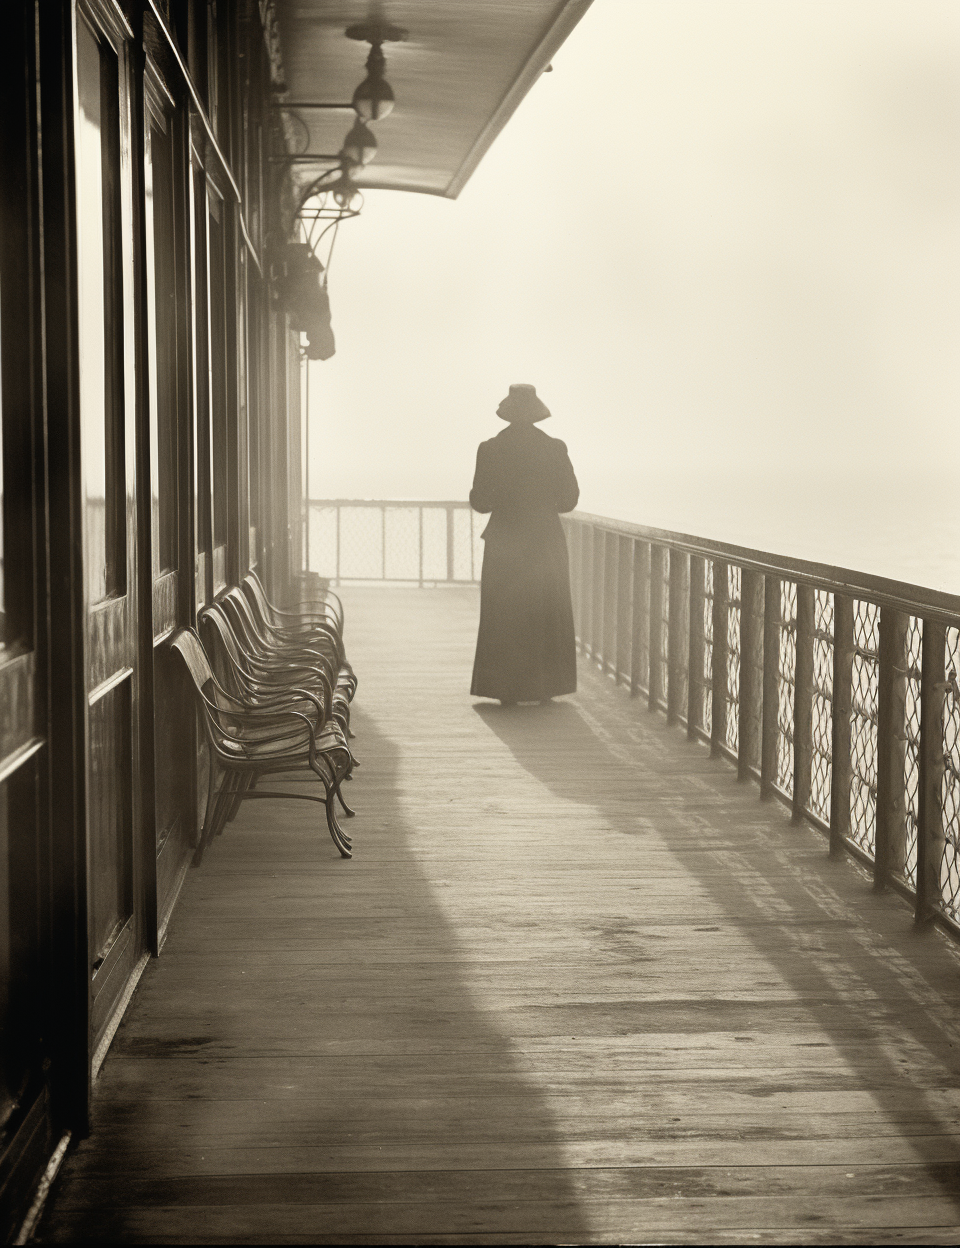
[(246, 742)]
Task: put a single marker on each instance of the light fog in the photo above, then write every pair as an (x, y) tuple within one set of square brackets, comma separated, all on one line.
[(723, 241)]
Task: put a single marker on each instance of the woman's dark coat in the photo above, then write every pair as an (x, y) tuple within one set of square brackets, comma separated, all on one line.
[(525, 648)]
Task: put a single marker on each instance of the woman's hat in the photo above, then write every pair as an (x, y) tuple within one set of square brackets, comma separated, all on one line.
[(522, 405)]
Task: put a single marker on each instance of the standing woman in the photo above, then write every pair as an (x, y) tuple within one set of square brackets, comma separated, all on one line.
[(526, 650)]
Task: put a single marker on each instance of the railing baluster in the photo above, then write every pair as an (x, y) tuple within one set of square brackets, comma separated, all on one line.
[(930, 836), (655, 646), (609, 603), (840, 746), (751, 639), (676, 641), (624, 599), (718, 728), (596, 633), (891, 746), (338, 545), (383, 542), (695, 650), (771, 668), (803, 701), (638, 613)]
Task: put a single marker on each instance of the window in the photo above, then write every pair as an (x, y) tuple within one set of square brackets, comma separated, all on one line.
[(160, 190), (218, 369), (100, 316)]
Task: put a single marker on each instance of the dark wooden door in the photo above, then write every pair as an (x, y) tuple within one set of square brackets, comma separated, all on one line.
[(107, 393)]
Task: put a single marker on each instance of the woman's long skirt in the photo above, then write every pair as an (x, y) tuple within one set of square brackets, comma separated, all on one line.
[(526, 650)]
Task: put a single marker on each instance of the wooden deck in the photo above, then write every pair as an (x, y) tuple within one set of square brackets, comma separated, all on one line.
[(577, 985)]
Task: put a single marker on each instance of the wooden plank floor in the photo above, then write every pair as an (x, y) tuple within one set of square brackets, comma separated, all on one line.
[(577, 985)]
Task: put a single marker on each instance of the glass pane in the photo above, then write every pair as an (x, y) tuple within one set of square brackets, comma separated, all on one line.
[(253, 405), (100, 315), (202, 348), (163, 353), (218, 394)]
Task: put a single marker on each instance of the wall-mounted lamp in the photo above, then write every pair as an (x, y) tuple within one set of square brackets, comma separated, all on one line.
[(334, 195), (374, 99)]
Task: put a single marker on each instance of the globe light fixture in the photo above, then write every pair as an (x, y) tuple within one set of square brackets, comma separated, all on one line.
[(374, 98), (360, 144)]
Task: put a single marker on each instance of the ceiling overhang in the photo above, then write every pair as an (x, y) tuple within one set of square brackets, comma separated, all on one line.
[(462, 70)]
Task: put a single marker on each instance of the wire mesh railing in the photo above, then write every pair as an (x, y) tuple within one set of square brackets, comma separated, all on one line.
[(836, 690), (419, 543)]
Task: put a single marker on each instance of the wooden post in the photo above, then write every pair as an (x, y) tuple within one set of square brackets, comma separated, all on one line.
[(771, 668), (930, 815), (842, 692), (624, 600), (751, 641), (655, 647), (891, 746), (638, 622), (803, 701), (695, 648), (677, 640), (718, 728)]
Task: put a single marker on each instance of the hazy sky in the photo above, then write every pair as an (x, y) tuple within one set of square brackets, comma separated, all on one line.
[(723, 241)]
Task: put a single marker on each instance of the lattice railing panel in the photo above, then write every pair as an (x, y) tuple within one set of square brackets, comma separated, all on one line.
[(821, 752), (786, 685), (949, 869), (911, 754), (864, 709), (361, 544), (706, 689), (401, 554), (732, 689)]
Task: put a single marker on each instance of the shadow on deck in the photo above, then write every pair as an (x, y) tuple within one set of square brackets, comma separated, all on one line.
[(577, 985)]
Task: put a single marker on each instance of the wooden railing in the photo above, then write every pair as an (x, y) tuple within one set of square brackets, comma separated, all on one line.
[(835, 690)]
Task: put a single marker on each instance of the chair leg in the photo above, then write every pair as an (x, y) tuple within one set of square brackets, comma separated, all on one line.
[(204, 834), (337, 834), (244, 785), (225, 798)]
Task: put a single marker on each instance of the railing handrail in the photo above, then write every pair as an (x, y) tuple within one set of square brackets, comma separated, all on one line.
[(902, 595), (386, 502)]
